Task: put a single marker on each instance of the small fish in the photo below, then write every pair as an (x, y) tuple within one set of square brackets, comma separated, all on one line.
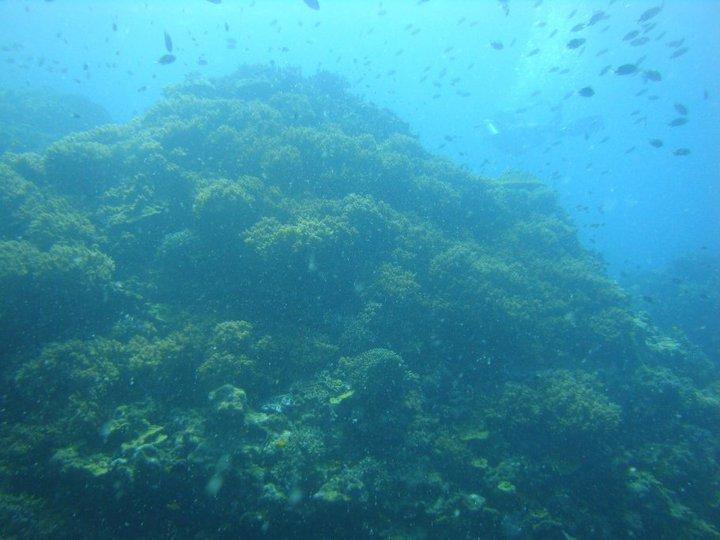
[(626, 69), (649, 14), (586, 91), (166, 59), (604, 70), (680, 121), (168, 43), (533, 52), (575, 43), (631, 35), (639, 41), (656, 143), (681, 152), (648, 299), (597, 17), (312, 4), (652, 75), (497, 45), (676, 43), (215, 1), (577, 27), (681, 109), (679, 52)]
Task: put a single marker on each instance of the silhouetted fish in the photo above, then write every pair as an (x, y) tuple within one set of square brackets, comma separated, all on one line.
[(649, 14), (626, 69), (312, 4), (657, 143), (652, 75), (631, 35), (597, 17), (168, 43), (681, 109), (575, 43), (586, 92), (679, 52), (681, 152), (166, 59), (497, 45), (681, 121)]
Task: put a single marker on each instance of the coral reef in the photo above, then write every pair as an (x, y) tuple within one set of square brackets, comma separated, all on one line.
[(264, 310)]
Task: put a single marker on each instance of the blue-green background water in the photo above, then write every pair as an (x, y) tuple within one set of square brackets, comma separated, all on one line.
[(415, 58)]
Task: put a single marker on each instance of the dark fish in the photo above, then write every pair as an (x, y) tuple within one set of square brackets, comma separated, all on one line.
[(652, 75), (114, 27), (168, 43), (533, 52), (142, 89), (681, 121), (639, 41), (681, 152), (312, 4), (597, 17), (657, 143), (214, 1), (649, 14), (602, 51), (626, 69), (631, 35), (497, 45), (681, 109), (586, 92), (679, 52), (675, 44), (166, 59), (604, 70), (575, 43), (648, 299), (577, 27)]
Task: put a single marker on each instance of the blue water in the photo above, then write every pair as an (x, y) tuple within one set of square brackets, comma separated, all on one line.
[(648, 206)]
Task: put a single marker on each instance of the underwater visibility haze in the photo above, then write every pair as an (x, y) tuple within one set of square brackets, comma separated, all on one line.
[(397, 269)]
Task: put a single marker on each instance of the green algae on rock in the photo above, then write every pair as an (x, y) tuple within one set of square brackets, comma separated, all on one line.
[(275, 313)]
